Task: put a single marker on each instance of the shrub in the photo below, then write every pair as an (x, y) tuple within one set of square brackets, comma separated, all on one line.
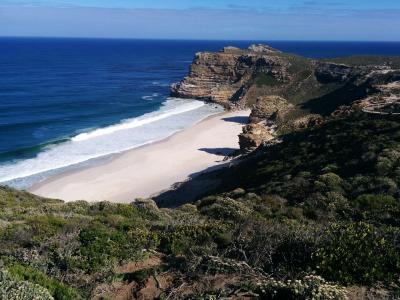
[(331, 180), (225, 209), (11, 289), (139, 275), (45, 226), (279, 249), (58, 290), (180, 239), (237, 193), (104, 246), (266, 79), (374, 202), (309, 288), (357, 253)]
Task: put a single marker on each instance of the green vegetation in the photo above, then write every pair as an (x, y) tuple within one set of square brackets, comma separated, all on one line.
[(358, 252), (325, 201), (54, 287), (10, 288), (266, 79), (363, 60)]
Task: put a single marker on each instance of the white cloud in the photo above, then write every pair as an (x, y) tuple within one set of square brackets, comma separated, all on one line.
[(199, 23)]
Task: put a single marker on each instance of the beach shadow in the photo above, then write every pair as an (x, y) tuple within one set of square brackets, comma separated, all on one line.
[(219, 151), (198, 184), (239, 119)]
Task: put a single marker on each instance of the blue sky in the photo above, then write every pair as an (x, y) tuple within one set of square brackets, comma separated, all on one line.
[(204, 19)]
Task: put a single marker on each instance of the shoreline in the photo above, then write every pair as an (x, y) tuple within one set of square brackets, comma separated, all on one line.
[(153, 168), (109, 157)]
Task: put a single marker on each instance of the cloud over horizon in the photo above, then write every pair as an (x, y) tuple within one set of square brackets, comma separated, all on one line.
[(262, 20)]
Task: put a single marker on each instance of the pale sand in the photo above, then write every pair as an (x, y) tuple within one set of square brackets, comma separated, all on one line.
[(148, 170)]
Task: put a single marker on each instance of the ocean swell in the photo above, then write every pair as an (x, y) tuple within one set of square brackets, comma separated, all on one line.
[(174, 115), (140, 121)]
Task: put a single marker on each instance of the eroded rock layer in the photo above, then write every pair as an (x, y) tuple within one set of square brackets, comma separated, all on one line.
[(288, 92), (236, 77), (222, 77)]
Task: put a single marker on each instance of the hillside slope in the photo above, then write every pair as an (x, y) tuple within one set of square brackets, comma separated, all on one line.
[(324, 203)]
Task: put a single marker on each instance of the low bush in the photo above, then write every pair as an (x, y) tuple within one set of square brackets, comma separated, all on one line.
[(184, 239), (57, 289), (101, 245), (12, 289), (358, 253), (309, 288)]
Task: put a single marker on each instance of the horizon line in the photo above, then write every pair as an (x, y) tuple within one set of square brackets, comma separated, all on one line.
[(190, 39)]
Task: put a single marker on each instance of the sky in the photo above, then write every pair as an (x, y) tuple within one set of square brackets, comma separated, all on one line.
[(356, 20)]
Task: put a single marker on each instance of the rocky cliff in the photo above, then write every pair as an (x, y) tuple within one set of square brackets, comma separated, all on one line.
[(223, 77), (290, 90), (241, 76)]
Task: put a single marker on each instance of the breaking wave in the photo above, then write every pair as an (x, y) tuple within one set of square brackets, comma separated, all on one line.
[(174, 115)]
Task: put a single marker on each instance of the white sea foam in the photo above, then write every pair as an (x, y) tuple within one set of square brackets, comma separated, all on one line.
[(161, 84), (140, 121), (147, 98), (151, 97), (174, 115)]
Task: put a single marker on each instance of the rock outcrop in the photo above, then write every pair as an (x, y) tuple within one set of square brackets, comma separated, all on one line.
[(287, 91), (385, 101), (266, 114), (331, 72), (270, 108), (237, 77), (223, 77), (261, 48), (253, 136)]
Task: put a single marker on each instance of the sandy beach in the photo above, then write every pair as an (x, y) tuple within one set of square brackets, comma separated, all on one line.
[(148, 170)]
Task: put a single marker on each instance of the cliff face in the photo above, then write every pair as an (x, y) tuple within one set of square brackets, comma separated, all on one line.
[(223, 77), (239, 77), (213, 76), (270, 108), (290, 91)]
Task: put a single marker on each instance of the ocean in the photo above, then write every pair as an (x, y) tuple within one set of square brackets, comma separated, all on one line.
[(66, 103)]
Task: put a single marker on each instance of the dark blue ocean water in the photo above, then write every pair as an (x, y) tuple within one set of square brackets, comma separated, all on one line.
[(52, 90)]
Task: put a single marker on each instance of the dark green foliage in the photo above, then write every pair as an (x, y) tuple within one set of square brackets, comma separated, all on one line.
[(266, 79), (374, 203), (223, 208), (346, 94), (359, 253), (324, 170), (101, 246), (138, 276), (42, 227), (185, 239)]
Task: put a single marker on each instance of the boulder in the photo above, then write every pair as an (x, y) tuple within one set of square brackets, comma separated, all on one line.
[(332, 72), (269, 108), (253, 136), (308, 121)]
